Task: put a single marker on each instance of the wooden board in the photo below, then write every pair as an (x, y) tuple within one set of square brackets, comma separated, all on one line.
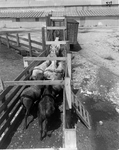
[(69, 64), (1, 85), (56, 28), (81, 111), (57, 18), (55, 42), (43, 58), (70, 138), (38, 82), (68, 92)]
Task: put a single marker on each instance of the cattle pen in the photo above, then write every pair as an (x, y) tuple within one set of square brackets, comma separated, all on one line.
[(11, 108)]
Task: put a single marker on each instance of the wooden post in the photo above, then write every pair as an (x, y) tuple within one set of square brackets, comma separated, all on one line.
[(43, 39), (7, 40), (69, 65), (17, 37), (68, 92), (67, 47), (0, 41), (2, 87), (30, 48)]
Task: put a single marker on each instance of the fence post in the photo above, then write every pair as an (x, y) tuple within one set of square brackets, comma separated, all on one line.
[(17, 37), (30, 48), (8, 45), (43, 39), (0, 41)]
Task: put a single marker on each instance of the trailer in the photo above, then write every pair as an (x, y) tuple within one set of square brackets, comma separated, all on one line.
[(65, 28), (11, 109)]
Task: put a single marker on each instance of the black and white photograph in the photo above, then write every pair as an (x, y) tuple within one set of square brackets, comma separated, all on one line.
[(59, 74)]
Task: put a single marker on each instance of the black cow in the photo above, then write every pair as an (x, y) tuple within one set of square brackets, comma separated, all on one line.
[(46, 108)]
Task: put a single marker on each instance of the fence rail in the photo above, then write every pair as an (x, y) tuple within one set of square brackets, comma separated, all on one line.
[(10, 106), (24, 45)]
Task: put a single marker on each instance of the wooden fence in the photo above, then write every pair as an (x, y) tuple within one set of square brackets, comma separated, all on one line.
[(10, 106), (24, 45)]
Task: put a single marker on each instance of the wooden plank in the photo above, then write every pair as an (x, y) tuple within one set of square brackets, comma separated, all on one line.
[(36, 42), (6, 125), (7, 40), (12, 106), (81, 111), (29, 40), (64, 111), (17, 37), (12, 127), (8, 110), (55, 42), (57, 18), (68, 92), (2, 95), (24, 39), (25, 45), (12, 41), (13, 36), (43, 38), (43, 58), (38, 82), (25, 63), (69, 65), (4, 105), (2, 87), (70, 138), (56, 28)]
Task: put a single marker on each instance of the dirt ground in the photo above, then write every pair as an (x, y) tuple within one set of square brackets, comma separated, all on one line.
[(96, 69), (95, 66)]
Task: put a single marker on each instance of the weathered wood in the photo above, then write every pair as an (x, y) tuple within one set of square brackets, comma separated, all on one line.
[(55, 42), (2, 87), (10, 35), (81, 111), (68, 92), (43, 39), (11, 128), (11, 42), (17, 37), (36, 42), (64, 111), (56, 28), (70, 138), (38, 82), (7, 40), (25, 45), (25, 62), (32, 64), (30, 48), (7, 124), (69, 65), (44, 58), (2, 107)]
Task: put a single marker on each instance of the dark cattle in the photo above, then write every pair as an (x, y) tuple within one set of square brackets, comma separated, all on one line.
[(46, 108), (29, 97)]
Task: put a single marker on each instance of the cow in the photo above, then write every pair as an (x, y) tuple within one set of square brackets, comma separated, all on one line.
[(29, 97), (46, 108)]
